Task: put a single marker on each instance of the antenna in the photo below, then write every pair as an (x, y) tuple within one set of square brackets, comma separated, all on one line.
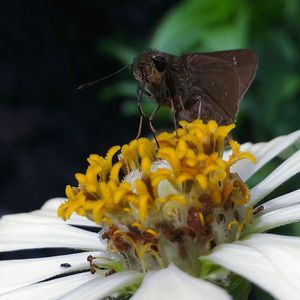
[(88, 84)]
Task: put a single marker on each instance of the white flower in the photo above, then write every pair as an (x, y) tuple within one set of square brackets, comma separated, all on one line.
[(268, 260)]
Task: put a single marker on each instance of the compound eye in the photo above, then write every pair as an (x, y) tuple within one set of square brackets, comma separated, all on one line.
[(160, 63)]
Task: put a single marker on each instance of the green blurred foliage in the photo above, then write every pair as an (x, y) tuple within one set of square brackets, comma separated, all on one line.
[(271, 28)]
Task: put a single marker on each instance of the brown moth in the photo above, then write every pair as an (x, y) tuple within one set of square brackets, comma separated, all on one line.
[(195, 85)]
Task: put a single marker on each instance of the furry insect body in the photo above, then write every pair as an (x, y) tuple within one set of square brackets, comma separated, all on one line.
[(197, 85)]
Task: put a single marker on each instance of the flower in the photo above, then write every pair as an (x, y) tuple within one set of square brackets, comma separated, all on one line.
[(177, 221)]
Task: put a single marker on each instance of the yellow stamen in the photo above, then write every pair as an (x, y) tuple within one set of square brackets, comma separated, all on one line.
[(174, 190), (201, 218)]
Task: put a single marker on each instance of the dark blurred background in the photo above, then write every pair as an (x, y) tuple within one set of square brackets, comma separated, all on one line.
[(48, 128), (48, 48)]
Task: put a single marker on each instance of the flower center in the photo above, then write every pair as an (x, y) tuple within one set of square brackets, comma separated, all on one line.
[(170, 204)]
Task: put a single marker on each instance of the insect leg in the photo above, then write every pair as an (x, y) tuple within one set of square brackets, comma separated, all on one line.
[(139, 88), (140, 127), (140, 91), (174, 112), (199, 109), (182, 106), (156, 109)]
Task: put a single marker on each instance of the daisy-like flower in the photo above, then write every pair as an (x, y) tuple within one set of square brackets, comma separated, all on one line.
[(174, 222)]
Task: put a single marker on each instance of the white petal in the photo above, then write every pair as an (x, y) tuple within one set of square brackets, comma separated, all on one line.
[(39, 216), (22, 272), (263, 152), (97, 289), (275, 218), (286, 170), (286, 200), (50, 290), (16, 236), (283, 252), (270, 261), (172, 283)]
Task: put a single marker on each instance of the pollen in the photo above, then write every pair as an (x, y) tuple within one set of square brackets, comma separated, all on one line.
[(155, 204)]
